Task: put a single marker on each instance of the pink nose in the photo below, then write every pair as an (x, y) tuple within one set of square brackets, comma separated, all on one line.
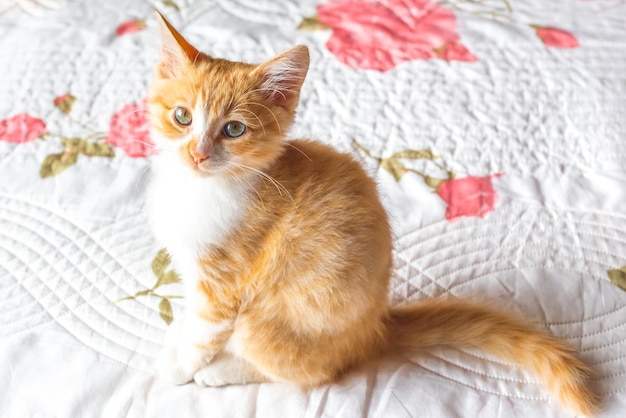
[(198, 158)]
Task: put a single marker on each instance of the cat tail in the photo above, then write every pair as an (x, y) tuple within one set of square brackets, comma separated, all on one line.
[(467, 325)]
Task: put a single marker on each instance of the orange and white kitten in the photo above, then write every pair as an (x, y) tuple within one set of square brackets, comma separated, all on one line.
[(284, 247)]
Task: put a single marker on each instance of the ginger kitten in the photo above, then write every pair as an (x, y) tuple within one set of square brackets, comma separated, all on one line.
[(283, 245)]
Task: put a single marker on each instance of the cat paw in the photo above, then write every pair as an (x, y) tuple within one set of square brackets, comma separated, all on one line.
[(223, 372), (178, 365)]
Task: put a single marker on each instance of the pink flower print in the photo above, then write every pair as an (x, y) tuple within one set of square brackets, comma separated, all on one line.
[(556, 37), (454, 51), (21, 128), (65, 102), (130, 26), (129, 130), (468, 196), (380, 35)]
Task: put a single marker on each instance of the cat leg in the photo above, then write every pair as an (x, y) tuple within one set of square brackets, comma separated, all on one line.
[(226, 369), (190, 344)]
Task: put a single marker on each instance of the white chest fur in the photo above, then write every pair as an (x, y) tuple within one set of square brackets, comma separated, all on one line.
[(189, 213)]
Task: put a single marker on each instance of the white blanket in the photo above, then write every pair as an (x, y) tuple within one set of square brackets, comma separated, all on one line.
[(514, 192)]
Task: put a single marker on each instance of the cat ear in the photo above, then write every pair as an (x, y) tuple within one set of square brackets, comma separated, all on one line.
[(176, 52), (282, 76)]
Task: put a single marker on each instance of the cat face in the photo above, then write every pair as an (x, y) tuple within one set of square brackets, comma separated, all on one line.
[(218, 117)]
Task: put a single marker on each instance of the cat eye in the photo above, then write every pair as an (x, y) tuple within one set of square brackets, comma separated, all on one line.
[(234, 129), (182, 116)]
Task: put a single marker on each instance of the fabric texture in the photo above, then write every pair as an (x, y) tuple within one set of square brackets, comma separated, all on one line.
[(496, 130)]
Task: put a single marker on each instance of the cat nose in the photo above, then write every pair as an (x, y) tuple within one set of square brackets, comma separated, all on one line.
[(198, 157)]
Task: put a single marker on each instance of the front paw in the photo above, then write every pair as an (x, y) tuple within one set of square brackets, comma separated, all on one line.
[(179, 364), (220, 374)]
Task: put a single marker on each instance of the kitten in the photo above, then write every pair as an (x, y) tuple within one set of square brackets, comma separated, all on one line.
[(284, 247)]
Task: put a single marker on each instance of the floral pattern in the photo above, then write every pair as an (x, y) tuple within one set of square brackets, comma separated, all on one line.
[(130, 131), (556, 37), (65, 102), (139, 24), (379, 35), (22, 128), (467, 196), (131, 26), (164, 276), (618, 277), (383, 34)]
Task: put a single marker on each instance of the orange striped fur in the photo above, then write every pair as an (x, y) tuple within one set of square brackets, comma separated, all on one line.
[(285, 248)]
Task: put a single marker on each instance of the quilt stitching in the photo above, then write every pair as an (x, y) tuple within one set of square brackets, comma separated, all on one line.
[(72, 309), (79, 292), (502, 378), (480, 389)]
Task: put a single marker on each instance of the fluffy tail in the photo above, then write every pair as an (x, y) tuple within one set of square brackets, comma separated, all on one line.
[(461, 324)]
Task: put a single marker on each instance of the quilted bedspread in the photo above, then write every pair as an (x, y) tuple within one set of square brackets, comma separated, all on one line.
[(496, 130)]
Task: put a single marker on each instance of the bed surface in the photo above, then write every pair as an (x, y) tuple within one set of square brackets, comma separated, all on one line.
[(496, 130)]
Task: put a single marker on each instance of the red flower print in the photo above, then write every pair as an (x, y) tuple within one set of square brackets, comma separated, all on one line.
[(65, 102), (21, 128), (129, 130), (556, 37), (468, 196), (130, 26), (380, 35)]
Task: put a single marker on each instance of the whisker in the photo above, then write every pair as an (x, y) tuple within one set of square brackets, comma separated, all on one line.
[(148, 144), (152, 147), (273, 90), (247, 182), (255, 115), (298, 149), (136, 111), (230, 102), (269, 110), (281, 189)]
